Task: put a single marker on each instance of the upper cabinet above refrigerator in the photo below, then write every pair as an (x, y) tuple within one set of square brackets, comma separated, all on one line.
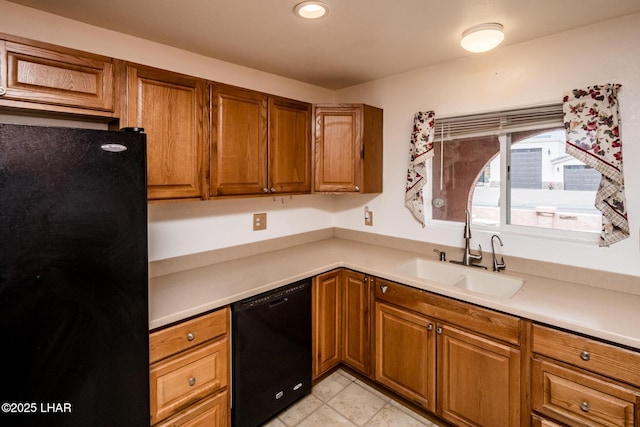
[(44, 77)]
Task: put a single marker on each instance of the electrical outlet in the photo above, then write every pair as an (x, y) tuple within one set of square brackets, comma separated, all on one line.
[(259, 221)]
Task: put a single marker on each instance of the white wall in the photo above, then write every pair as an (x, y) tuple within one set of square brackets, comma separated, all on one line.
[(184, 228), (526, 74)]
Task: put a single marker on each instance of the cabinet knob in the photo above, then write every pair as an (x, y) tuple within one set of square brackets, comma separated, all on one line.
[(357, 188), (585, 356), (273, 189), (265, 190), (384, 288), (192, 381), (190, 336), (584, 406), (3, 91), (365, 279), (439, 331), (430, 327)]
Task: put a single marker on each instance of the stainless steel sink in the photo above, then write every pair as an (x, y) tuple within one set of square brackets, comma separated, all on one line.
[(467, 278)]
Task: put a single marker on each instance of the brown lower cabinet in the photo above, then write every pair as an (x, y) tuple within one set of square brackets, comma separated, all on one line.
[(189, 372), (463, 376), (579, 381), (341, 321)]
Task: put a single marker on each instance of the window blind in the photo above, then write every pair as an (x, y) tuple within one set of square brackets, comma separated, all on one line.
[(498, 122)]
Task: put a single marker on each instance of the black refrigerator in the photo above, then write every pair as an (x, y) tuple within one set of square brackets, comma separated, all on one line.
[(73, 277)]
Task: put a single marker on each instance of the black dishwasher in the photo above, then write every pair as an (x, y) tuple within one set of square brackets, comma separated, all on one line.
[(271, 353)]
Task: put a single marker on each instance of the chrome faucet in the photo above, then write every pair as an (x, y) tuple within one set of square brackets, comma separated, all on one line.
[(469, 258), (497, 266)]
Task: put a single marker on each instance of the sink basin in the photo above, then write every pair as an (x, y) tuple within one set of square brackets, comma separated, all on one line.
[(439, 272), (467, 278)]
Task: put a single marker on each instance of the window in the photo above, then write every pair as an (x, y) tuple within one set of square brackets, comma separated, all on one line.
[(512, 173)]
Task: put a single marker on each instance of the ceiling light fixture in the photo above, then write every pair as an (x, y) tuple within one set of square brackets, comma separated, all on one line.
[(482, 37), (311, 9)]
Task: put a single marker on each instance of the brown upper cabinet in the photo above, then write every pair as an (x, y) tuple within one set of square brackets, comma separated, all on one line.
[(260, 144), (39, 76), (172, 110), (348, 148), (204, 139)]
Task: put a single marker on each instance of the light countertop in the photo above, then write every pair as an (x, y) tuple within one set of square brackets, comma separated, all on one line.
[(601, 313)]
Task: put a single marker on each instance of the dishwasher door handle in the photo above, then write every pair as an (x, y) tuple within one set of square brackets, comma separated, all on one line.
[(278, 302)]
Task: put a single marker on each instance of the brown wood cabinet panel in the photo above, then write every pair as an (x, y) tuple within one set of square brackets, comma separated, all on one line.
[(405, 354), (487, 322), (537, 421), (210, 412), (239, 149), (576, 398), (348, 148), (171, 109), (326, 314), (603, 358), (179, 381), (356, 323), (45, 77), (188, 334), (478, 379), (289, 146)]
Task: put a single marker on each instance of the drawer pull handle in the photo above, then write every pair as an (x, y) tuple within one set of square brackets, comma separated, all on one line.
[(190, 336), (192, 381), (584, 406), (585, 356)]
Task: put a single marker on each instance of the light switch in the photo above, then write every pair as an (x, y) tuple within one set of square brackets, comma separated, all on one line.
[(368, 216)]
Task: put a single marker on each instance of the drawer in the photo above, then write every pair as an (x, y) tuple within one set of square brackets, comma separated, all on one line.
[(577, 398), (210, 412), (595, 356), (491, 323), (537, 421), (186, 335), (177, 382)]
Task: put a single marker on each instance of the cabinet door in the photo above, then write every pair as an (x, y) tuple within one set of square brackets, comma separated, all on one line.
[(478, 380), (405, 356), (33, 76), (326, 322), (289, 146), (239, 149), (338, 149), (356, 300), (170, 107)]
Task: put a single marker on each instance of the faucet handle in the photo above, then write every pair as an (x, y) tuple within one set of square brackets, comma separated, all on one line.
[(441, 254)]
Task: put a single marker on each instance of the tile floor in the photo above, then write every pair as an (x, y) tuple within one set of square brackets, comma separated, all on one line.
[(342, 400)]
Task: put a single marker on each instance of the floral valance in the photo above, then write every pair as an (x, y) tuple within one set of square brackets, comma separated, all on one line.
[(421, 149), (593, 136)]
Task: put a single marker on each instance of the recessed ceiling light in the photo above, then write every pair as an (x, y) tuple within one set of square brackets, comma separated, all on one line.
[(311, 9), (482, 37)]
